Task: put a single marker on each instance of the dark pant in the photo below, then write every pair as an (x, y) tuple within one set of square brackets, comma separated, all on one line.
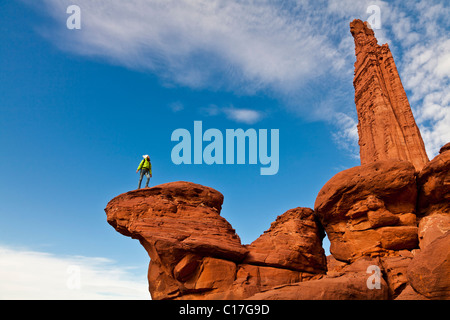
[(147, 174)]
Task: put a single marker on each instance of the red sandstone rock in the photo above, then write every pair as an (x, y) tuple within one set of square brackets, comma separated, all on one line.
[(434, 197), (176, 218), (409, 294), (196, 254), (445, 147), (429, 271), (293, 241), (180, 227), (395, 271), (432, 227), (434, 185), (369, 210), (351, 286), (386, 126)]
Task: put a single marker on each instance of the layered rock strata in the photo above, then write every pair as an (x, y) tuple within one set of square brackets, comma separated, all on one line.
[(196, 254), (398, 219), (370, 210), (293, 241), (386, 126), (372, 215)]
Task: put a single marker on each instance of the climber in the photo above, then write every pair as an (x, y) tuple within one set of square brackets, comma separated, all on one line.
[(146, 168)]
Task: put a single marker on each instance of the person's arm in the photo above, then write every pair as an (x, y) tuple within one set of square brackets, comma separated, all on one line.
[(140, 166)]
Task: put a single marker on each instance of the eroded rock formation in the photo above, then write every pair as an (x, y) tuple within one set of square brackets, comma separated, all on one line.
[(386, 127), (370, 210), (388, 220), (371, 214), (196, 254), (293, 241)]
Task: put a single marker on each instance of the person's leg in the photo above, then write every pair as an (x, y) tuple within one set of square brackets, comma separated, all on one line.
[(140, 178), (148, 178)]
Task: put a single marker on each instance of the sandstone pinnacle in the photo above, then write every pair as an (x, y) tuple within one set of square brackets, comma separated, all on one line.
[(386, 126)]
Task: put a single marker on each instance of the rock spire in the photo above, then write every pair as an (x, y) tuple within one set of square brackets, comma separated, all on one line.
[(386, 126)]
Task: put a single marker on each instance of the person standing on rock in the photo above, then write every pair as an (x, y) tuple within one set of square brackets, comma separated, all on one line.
[(146, 169)]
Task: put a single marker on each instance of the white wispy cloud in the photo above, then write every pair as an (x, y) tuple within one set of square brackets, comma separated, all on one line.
[(300, 52), (242, 115), (239, 45), (27, 274), (347, 135), (418, 33), (176, 106), (425, 67)]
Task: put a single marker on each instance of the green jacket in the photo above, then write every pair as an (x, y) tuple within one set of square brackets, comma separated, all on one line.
[(145, 164)]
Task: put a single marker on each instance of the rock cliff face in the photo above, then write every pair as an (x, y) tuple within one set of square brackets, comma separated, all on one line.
[(386, 127), (388, 220)]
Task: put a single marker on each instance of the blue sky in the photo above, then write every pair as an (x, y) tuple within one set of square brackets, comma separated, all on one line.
[(78, 108)]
